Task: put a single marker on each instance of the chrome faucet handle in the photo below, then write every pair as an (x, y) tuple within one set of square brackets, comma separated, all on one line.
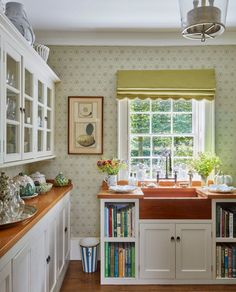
[(158, 176), (190, 174), (175, 176)]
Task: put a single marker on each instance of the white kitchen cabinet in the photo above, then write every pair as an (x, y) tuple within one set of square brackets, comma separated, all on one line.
[(175, 250), (21, 274), (33, 261), (193, 251), (27, 99), (51, 249), (157, 246), (6, 278)]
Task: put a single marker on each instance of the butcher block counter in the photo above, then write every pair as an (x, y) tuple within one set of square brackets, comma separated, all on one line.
[(43, 202)]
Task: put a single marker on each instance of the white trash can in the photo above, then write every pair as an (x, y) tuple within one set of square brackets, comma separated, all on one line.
[(89, 254)]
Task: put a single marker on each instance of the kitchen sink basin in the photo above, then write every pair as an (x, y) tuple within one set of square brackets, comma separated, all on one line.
[(170, 192)]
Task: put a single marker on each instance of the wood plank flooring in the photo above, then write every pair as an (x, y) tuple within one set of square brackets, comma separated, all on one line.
[(77, 280)]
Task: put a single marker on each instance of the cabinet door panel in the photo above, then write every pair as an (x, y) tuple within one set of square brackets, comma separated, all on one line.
[(5, 279), (51, 255), (21, 271), (157, 251), (67, 229), (60, 240), (38, 264), (193, 251)]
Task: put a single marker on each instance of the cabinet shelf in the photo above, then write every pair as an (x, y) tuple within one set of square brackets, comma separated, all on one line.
[(119, 239), (225, 239), (13, 89)]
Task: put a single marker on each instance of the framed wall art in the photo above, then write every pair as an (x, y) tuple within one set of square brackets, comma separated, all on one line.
[(85, 124)]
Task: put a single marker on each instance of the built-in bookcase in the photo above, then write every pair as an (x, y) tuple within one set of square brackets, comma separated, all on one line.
[(119, 240), (224, 237)]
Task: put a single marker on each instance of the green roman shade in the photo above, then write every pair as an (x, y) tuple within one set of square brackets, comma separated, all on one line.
[(187, 84)]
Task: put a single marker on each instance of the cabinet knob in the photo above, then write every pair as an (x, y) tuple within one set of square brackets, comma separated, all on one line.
[(48, 259), (66, 229), (21, 109), (172, 238), (46, 118), (178, 238)]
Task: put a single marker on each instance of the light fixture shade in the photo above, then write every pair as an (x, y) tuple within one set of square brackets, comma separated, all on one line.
[(203, 19)]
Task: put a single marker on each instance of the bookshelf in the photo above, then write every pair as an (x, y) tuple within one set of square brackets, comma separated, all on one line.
[(119, 240), (224, 240)]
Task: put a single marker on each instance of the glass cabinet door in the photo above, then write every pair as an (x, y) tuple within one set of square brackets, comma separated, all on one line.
[(49, 121), (13, 105), (41, 121), (28, 114)]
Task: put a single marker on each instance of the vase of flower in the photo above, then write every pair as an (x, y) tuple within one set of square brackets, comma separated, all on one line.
[(111, 167), (111, 180), (204, 164)]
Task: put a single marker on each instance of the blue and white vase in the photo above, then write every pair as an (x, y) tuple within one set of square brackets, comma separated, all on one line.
[(16, 13)]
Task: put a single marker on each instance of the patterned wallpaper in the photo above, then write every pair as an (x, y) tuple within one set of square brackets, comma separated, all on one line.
[(92, 71)]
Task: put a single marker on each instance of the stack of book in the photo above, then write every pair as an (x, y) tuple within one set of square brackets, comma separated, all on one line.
[(119, 220), (225, 221), (119, 259), (226, 261)]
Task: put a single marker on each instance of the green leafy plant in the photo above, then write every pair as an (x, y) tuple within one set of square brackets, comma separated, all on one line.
[(205, 163), (110, 166)]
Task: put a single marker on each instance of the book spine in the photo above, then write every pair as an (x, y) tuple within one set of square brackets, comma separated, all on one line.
[(123, 261), (234, 225), (230, 262), (234, 262), (133, 221), (217, 261), (227, 224), (106, 259), (105, 221), (115, 221), (112, 260), (126, 223), (122, 223), (126, 260), (218, 220), (118, 224), (110, 222), (222, 262), (133, 260), (226, 263), (231, 225), (120, 260), (116, 261), (109, 259), (223, 223)]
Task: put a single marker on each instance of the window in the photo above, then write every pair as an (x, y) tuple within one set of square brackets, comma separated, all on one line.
[(152, 127)]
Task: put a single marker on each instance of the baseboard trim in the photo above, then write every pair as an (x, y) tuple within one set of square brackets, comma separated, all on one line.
[(75, 248)]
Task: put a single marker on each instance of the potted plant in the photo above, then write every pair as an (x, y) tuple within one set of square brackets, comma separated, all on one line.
[(111, 167), (204, 164)]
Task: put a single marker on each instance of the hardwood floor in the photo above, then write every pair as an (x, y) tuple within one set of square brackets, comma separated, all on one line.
[(77, 280)]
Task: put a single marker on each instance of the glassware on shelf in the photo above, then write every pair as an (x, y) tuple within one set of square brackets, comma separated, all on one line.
[(11, 109)]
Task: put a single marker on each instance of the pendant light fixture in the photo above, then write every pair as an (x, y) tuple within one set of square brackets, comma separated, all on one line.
[(203, 19)]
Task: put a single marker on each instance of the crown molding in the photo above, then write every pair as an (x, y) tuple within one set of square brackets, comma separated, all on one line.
[(115, 38)]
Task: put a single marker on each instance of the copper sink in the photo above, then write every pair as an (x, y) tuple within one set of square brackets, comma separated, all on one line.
[(170, 192)]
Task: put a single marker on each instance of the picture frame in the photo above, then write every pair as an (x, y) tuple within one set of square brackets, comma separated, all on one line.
[(85, 125)]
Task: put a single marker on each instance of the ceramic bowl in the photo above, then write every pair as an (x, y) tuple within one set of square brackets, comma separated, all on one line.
[(44, 188)]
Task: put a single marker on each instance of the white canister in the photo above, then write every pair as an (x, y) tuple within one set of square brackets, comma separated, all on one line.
[(38, 178)]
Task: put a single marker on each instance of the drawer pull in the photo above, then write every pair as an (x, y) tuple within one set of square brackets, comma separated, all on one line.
[(66, 229), (172, 238), (178, 238), (48, 259)]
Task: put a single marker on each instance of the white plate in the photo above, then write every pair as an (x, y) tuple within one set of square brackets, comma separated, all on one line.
[(123, 189), (29, 197), (222, 189)]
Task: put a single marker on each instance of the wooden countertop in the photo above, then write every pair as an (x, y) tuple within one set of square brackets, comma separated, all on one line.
[(106, 194), (43, 202), (210, 195)]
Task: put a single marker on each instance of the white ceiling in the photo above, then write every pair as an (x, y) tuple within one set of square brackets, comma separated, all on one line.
[(110, 15)]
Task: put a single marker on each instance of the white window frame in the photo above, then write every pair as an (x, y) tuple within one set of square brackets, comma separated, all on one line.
[(203, 123)]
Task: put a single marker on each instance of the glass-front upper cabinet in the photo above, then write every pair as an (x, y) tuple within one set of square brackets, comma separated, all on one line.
[(13, 105), (44, 119), (28, 114)]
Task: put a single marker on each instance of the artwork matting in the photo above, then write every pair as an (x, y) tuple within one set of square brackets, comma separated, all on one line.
[(85, 125)]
